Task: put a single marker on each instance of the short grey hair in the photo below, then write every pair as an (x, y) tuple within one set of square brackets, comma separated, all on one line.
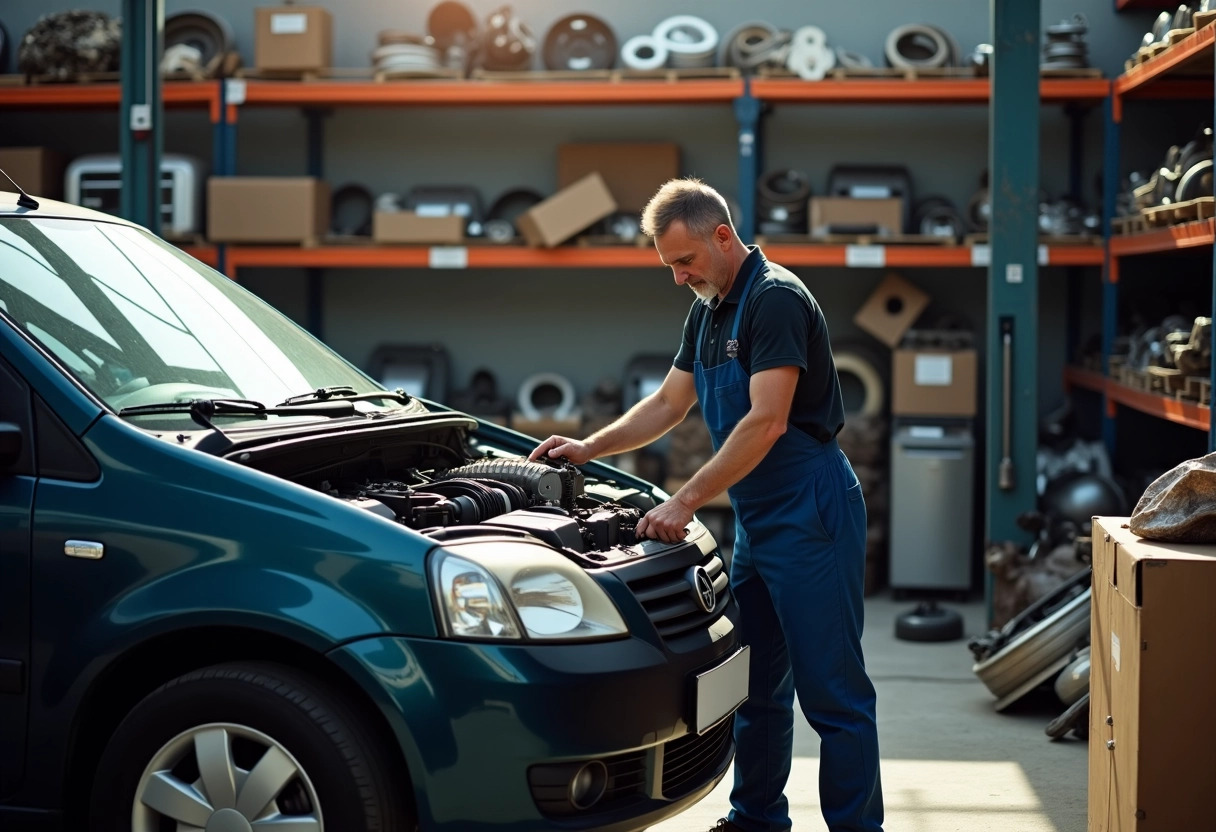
[(690, 201)]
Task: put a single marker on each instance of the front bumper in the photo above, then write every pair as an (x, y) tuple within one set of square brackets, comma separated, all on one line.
[(474, 721)]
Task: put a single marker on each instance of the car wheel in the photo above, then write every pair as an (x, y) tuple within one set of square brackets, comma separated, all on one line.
[(247, 746), (1075, 719)]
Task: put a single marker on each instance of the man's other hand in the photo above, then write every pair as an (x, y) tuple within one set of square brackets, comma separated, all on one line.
[(559, 446), (666, 522)]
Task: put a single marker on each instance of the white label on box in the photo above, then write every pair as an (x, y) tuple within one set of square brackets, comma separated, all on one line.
[(288, 23), (865, 257), (448, 257), (432, 209), (1013, 273), (1114, 650), (927, 432), (933, 370), (1043, 255), (870, 192), (981, 255)]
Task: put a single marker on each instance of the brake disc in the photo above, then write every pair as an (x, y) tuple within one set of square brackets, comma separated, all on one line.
[(451, 23), (917, 46), (209, 34), (507, 43), (690, 40), (578, 42)]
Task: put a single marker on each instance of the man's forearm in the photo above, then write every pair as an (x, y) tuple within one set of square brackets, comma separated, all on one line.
[(645, 422), (742, 451)]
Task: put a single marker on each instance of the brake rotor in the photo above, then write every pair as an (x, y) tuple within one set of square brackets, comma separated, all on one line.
[(580, 42), (209, 34), (507, 44), (451, 22)]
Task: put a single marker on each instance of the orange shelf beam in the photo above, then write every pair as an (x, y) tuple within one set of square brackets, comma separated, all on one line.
[(1085, 379), (1189, 414), (106, 95), (1172, 238), (1191, 55), (915, 256), (941, 91), (206, 253)]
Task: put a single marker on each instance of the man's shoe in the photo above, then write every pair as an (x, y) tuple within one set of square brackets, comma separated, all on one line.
[(723, 825)]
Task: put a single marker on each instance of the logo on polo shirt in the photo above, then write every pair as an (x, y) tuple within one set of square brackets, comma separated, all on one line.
[(732, 348)]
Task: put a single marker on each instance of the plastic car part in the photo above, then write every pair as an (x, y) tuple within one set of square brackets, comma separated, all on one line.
[(809, 56), (644, 52), (542, 481), (580, 42), (210, 34), (507, 43), (351, 211), (1035, 644), (690, 41)]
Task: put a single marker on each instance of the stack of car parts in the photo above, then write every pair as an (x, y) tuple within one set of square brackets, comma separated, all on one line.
[(1064, 46), (936, 216), (64, 45), (682, 41), (406, 54), (1183, 175), (782, 202)]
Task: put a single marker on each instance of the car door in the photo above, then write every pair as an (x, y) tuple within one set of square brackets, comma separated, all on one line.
[(16, 505)]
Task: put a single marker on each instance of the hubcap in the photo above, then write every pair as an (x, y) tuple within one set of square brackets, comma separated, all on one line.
[(224, 777)]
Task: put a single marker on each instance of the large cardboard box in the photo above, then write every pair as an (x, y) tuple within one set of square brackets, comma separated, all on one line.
[(933, 382), (37, 170), (1152, 682), (293, 38), (892, 307), (257, 209), (633, 171), (566, 213), (845, 215), (410, 227)]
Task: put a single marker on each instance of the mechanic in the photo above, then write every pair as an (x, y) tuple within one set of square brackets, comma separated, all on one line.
[(757, 356)]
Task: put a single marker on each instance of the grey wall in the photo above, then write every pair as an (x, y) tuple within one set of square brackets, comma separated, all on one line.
[(587, 324)]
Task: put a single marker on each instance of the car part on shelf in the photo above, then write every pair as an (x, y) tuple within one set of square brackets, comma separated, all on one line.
[(1195, 182), (95, 181), (498, 231), (1194, 356), (351, 211), (209, 34), (1161, 28), (1035, 644), (1064, 46), (782, 201), (979, 210), (874, 181), (1183, 17), (67, 44), (809, 56), (981, 59), (507, 43), (454, 29), (852, 60), (644, 52), (481, 398), (936, 216), (547, 396), (753, 45), (920, 46), (858, 370), (6, 47), (418, 369), (398, 55), (580, 42), (623, 226), (691, 41), (446, 200), (507, 208)]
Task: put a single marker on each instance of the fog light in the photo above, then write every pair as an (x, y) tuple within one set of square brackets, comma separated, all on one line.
[(588, 784)]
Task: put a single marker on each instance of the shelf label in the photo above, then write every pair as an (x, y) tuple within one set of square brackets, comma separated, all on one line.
[(981, 255), (234, 91), (448, 257), (1013, 273), (288, 23), (1043, 255), (865, 257)]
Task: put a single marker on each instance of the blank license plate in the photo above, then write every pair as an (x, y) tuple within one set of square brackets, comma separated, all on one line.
[(719, 690)]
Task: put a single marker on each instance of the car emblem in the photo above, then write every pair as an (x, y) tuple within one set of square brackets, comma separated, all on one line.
[(702, 588)]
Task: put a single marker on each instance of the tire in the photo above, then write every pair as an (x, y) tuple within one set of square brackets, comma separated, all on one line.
[(1075, 718), (929, 623), (320, 761)]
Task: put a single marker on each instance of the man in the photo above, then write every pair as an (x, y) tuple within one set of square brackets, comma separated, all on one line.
[(757, 357)]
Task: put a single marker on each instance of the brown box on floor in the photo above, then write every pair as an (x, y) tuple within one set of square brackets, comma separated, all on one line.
[(846, 215), (633, 171), (933, 382), (293, 38), (409, 227), (37, 170), (569, 211), (1152, 767), (276, 209)]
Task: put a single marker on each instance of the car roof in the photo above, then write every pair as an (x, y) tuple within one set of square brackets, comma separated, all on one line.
[(53, 208)]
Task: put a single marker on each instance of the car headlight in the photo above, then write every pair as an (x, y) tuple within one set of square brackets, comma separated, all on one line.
[(517, 590)]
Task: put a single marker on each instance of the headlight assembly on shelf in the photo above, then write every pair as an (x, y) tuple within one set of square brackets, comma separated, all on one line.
[(515, 590)]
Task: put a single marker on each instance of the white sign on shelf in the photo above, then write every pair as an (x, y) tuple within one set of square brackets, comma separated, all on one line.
[(234, 91), (981, 255), (865, 257), (448, 257)]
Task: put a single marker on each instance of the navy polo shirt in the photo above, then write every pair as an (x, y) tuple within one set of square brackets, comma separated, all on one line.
[(782, 326)]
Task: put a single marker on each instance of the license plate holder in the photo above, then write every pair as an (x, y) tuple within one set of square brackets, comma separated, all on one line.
[(720, 690)]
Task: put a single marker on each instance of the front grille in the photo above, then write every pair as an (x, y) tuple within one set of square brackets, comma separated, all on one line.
[(626, 782), (661, 585), (688, 761)]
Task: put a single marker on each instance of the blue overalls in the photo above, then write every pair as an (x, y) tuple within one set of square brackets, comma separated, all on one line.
[(798, 571)]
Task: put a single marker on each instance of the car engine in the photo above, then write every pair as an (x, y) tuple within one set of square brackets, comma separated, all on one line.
[(514, 496)]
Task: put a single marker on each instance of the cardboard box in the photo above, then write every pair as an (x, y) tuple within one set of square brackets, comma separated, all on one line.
[(892, 307), (37, 170), (566, 213), (410, 227), (933, 382), (845, 215), (1152, 767), (633, 171), (255, 209), (293, 38)]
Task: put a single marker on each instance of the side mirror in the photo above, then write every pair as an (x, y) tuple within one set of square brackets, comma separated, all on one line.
[(11, 441)]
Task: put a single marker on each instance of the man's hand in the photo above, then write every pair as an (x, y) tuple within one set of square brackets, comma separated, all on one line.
[(666, 522), (555, 446)]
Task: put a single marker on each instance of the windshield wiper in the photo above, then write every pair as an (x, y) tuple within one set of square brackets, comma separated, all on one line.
[(344, 393), (203, 410)]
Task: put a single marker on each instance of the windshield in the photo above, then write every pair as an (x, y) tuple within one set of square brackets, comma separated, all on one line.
[(139, 322)]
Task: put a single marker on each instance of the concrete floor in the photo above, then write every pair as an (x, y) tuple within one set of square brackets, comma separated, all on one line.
[(950, 763)]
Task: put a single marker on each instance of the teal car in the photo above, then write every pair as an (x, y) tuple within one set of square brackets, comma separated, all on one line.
[(245, 587)]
